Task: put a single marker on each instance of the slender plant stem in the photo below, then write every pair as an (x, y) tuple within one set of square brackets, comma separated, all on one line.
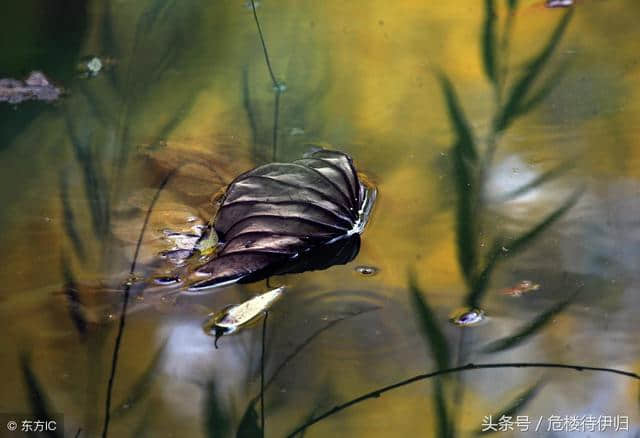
[(378, 392), (264, 45), (125, 303), (276, 117), (278, 88), (264, 337)]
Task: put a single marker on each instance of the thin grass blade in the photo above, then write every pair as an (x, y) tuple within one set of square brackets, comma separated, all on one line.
[(444, 424), (521, 242), (522, 86), (516, 405), (431, 331), (489, 58), (141, 387), (530, 329), (41, 407), (481, 281), (69, 220), (76, 312), (216, 418), (548, 175), (249, 426), (464, 158), (544, 91)]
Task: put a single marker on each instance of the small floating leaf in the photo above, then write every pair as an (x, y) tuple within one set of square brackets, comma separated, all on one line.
[(288, 217), (530, 329), (208, 241), (36, 86), (232, 318)]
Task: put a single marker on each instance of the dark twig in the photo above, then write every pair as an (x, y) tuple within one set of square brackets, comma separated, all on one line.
[(125, 302), (378, 392), (276, 116), (278, 88), (264, 45)]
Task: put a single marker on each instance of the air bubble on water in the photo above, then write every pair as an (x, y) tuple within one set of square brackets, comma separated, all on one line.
[(367, 271), (94, 65), (467, 317)]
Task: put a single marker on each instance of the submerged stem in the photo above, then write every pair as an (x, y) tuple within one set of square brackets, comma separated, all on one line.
[(125, 303), (276, 117), (378, 392)]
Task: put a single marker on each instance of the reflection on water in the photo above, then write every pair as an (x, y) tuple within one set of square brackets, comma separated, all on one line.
[(500, 136)]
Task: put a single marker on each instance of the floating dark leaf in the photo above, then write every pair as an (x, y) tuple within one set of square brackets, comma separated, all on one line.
[(36, 87), (286, 218)]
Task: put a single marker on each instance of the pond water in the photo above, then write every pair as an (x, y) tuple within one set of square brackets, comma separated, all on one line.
[(503, 141)]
